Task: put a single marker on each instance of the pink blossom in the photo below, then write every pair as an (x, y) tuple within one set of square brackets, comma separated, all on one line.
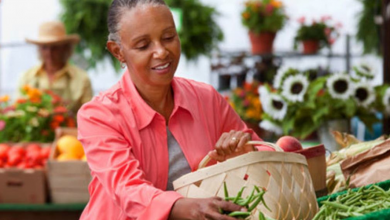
[(326, 18), (302, 19), (242, 94), (246, 103), (2, 125), (9, 108), (269, 9), (331, 40), (339, 25), (328, 31)]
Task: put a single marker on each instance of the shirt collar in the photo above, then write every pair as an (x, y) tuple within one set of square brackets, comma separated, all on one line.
[(64, 70), (142, 110)]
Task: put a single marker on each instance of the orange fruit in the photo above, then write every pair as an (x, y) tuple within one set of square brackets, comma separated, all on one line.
[(69, 144), (84, 158), (67, 157)]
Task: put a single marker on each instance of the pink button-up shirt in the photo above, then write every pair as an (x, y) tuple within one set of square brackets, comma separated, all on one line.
[(125, 141)]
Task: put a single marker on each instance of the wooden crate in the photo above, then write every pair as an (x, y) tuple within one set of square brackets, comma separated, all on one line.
[(24, 186), (68, 180)]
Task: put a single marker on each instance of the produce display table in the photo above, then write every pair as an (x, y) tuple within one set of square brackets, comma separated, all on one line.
[(381, 214), (41, 211)]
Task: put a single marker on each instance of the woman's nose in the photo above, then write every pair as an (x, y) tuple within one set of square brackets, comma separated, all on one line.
[(160, 52)]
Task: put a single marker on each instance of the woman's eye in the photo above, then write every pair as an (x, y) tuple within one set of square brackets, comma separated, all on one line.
[(144, 47), (169, 38)]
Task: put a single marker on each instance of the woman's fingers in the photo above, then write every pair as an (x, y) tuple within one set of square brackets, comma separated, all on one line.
[(231, 143), (200, 209)]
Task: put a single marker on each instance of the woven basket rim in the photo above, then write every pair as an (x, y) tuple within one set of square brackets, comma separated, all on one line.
[(239, 161)]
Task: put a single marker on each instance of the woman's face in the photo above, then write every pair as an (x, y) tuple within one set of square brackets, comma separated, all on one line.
[(150, 45)]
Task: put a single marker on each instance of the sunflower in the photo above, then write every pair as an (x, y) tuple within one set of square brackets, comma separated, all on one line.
[(275, 106), (386, 101), (364, 71), (263, 94), (340, 86), (270, 126), (295, 87), (364, 94), (280, 75)]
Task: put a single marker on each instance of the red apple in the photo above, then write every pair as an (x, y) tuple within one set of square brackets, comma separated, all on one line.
[(289, 144)]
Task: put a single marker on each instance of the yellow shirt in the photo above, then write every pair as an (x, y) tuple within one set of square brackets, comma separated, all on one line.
[(71, 83)]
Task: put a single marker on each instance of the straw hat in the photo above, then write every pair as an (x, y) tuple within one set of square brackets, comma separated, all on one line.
[(53, 32)]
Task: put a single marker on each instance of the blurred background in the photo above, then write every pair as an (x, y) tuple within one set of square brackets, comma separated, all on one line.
[(21, 18)]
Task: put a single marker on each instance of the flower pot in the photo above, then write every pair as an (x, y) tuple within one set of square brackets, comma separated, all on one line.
[(310, 46), (325, 133), (262, 43)]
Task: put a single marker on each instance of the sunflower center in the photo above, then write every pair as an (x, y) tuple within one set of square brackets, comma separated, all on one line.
[(277, 104), (340, 86), (361, 94), (296, 88)]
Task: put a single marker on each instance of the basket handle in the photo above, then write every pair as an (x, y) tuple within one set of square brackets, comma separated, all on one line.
[(206, 159)]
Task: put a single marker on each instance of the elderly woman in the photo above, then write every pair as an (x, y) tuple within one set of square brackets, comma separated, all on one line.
[(152, 127), (55, 73)]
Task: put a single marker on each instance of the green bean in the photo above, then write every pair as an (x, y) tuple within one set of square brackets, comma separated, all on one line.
[(239, 214), (239, 194), (261, 216), (336, 205), (225, 191), (256, 202), (247, 200)]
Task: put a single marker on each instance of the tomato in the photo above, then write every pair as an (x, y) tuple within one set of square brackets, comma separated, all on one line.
[(34, 158), (17, 150), (14, 159), (4, 148), (45, 152), (33, 146)]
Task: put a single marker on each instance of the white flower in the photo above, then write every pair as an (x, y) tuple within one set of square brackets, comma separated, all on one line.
[(270, 126), (32, 109), (386, 101), (34, 122), (364, 94), (275, 106), (295, 87), (280, 74), (263, 94), (340, 86), (15, 114), (365, 71)]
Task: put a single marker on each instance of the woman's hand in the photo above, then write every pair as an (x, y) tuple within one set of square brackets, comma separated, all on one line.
[(231, 144), (201, 209)]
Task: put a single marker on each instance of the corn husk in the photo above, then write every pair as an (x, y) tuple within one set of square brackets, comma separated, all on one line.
[(335, 178)]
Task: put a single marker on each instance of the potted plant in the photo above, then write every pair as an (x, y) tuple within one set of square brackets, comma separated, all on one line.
[(34, 117), (298, 106), (316, 35), (263, 18)]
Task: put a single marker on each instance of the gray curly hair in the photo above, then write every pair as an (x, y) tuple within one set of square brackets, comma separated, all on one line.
[(116, 10)]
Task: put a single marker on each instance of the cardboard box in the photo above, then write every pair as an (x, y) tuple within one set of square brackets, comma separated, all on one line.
[(68, 180), (22, 186)]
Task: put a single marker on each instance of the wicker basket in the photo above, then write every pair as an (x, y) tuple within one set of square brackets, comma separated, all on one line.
[(285, 176)]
